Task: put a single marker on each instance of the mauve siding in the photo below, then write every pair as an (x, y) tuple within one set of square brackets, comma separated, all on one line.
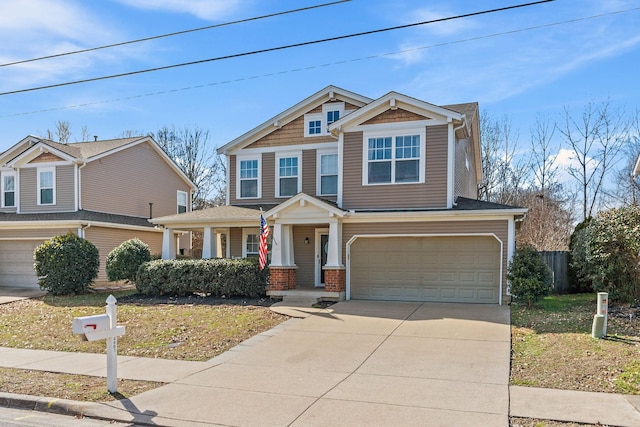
[(431, 194), (231, 185), (394, 116), (269, 179), (107, 239), (309, 172), (127, 181), (235, 239), (499, 228), (304, 254), (65, 190)]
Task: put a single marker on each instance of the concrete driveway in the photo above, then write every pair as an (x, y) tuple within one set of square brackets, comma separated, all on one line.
[(357, 364)]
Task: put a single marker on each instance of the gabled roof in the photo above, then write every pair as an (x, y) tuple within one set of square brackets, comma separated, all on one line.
[(77, 216), (327, 94), (222, 215), (84, 152), (394, 100), (303, 201)]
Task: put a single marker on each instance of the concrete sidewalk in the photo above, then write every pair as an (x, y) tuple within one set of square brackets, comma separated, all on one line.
[(351, 364)]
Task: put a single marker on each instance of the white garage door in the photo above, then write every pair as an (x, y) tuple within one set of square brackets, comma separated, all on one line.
[(442, 269), (16, 263)]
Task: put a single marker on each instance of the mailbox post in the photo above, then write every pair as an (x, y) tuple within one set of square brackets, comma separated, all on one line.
[(99, 327)]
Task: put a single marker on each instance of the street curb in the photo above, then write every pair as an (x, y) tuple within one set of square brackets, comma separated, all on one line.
[(44, 404)]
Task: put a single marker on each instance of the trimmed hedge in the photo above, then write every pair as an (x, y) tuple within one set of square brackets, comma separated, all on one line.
[(123, 262), (217, 277)]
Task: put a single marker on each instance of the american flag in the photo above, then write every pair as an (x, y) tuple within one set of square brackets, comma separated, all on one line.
[(264, 233)]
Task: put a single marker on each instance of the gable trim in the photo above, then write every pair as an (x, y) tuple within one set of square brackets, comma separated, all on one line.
[(302, 199)]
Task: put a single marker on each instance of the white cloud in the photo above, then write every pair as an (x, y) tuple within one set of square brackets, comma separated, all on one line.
[(566, 160), (204, 9)]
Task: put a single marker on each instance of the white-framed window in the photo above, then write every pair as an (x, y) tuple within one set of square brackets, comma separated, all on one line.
[(183, 198), (327, 174), (317, 124), (8, 189), (288, 174), (248, 186), (394, 158), (46, 186), (251, 243)]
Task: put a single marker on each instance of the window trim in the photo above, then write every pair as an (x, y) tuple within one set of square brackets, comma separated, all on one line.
[(15, 188), (284, 155), (319, 154), (239, 159), (313, 117), (246, 232), (39, 171), (323, 118), (186, 200), (421, 132)]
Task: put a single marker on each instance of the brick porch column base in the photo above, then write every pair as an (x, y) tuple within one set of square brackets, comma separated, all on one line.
[(335, 279), (282, 278)]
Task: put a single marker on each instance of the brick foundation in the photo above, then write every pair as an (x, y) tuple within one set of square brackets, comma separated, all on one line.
[(335, 279), (282, 278)]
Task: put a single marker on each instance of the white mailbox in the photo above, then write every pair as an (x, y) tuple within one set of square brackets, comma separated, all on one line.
[(96, 327)]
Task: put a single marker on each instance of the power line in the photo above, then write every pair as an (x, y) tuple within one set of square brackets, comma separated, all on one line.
[(273, 49), (177, 33), (312, 67)]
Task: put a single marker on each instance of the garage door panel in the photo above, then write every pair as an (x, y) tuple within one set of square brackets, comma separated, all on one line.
[(16, 263), (450, 269)]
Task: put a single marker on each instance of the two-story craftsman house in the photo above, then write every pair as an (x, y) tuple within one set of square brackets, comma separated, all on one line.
[(368, 198), (104, 191)]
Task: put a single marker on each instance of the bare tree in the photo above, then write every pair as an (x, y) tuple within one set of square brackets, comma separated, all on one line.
[(63, 131), (189, 149), (595, 139), (549, 221), (503, 174), (86, 135), (543, 163)]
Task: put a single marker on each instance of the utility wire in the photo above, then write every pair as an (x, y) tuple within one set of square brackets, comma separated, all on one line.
[(177, 33), (312, 67), (273, 49)]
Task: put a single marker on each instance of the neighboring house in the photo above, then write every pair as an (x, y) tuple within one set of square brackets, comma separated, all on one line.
[(105, 191), (368, 198)]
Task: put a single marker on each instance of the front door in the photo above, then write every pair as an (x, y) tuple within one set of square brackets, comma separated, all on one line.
[(322, 245)]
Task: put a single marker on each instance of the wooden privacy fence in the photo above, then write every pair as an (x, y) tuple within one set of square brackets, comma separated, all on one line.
[(558, 262)]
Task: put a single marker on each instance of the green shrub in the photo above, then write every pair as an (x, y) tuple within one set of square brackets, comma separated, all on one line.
[(578, 268), (123, 262), (66, 264), (216, 277), (528, 275)]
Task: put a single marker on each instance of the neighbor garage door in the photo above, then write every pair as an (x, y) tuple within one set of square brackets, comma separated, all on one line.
[(444, 269), (16, 263)]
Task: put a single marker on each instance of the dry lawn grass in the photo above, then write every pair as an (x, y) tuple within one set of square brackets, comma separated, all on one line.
[(530, 422), (189, 328), (552, 346)]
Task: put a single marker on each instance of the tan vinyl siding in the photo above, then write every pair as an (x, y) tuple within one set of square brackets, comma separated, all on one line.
[(64, 190), (309, 172), (431, 194), (498, 227), (126, 182), (231, 185), (269, 178), (36, 233), (465, 172), (107, 239), (291, 133), (394, 116), (304, 254), (235, 239), (46, 157)]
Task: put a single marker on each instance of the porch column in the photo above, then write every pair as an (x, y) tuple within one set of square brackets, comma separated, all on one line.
[(276, 246), (168, 244), (334, 252), (211, 244), (288, 258), (282, 270)]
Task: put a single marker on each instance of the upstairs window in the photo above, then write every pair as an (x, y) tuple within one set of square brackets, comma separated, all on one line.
[(8, 190), (288, 176), (315, 127), (333, 116), (182, 201), (46, 186), (249, 175), (328, 174), (393, 160)]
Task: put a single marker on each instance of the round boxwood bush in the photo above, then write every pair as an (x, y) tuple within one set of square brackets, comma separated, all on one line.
[(528, 275), (66, 264), (123, 262)]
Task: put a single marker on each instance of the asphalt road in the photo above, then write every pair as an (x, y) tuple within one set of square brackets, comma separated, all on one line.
[(11, 417)]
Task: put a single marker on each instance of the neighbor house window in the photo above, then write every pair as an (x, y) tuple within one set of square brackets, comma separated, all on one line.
[(182, 201), (249, 176), (8, 190), (288, 181), (393, 160), (328, 174), (46, 186)]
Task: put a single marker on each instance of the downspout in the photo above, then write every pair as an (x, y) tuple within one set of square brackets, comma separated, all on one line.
[(463, 124), (82, 230), (84, 163)]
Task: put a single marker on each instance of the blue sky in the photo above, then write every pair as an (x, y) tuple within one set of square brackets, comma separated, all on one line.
[(520, 74)]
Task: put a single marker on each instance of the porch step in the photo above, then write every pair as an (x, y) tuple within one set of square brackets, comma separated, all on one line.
[(299, 302)]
